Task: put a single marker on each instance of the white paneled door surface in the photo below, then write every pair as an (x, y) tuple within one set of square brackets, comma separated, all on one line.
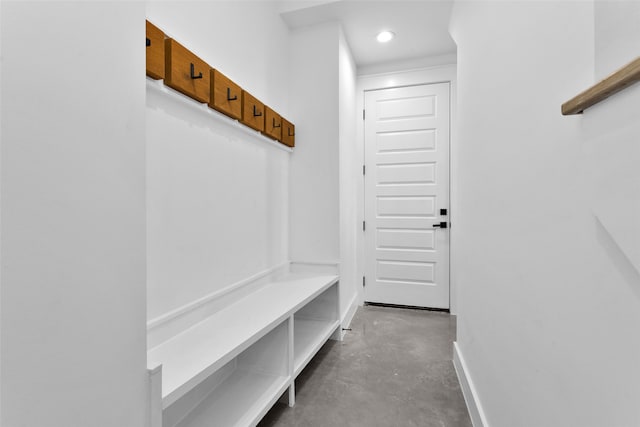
[(407, 196)]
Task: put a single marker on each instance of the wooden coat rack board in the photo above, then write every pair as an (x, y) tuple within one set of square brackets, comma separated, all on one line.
[(183, 71)]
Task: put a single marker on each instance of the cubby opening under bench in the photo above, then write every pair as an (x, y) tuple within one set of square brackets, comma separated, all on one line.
[(230, 369)]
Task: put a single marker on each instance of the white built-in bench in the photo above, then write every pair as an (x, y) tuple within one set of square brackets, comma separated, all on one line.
[(229, 369)]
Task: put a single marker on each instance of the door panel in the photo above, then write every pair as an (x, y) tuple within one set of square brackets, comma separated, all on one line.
[(405, 206), (406, 107), (407, 271), (407, 173), (395, 239), (406, 185), (406, 141)]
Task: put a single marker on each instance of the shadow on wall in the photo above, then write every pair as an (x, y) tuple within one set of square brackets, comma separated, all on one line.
[(181, 107), (200, 116), (617, 256)]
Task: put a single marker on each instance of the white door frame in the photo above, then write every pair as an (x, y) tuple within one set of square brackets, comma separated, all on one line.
[(440, 74)]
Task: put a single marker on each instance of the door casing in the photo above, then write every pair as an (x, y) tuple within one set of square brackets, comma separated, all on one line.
[(438, 74)]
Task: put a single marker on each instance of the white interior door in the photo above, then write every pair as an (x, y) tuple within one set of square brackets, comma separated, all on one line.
[(406, 187)]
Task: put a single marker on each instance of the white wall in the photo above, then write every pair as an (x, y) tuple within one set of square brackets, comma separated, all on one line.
[(73, 214), (548, 302), (217, 196), (350, 176), (615, 152), (617, 35), (325, 167), (314, 188), (0, 216)]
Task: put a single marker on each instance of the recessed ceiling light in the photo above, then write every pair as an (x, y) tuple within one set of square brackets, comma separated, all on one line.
[(385, 36)]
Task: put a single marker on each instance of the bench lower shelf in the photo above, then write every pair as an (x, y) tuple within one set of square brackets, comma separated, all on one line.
[(241, 400), (309, 336)]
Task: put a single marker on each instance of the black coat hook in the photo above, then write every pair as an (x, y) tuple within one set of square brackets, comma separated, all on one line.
[(148, 42), (229, 98), (255, 113), (274, 123), (193, 76)]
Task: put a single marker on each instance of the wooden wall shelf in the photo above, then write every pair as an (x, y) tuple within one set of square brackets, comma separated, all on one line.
[(155, 52), (226, 96), (272, 124), (288, 133), (185, 72), (252, 112), (619, 80)]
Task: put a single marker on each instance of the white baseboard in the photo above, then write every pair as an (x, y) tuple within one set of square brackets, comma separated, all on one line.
[(469, 391), (351, 311), (345, 319)]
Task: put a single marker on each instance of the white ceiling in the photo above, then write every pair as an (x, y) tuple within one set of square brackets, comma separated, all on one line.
[(421, 26)]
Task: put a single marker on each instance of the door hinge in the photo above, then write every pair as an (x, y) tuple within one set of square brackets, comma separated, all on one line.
[(364, 282), (363, 114), (364, 225), (364, 169)]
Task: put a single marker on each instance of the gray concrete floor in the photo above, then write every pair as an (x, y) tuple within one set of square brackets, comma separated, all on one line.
[(393, 369)]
